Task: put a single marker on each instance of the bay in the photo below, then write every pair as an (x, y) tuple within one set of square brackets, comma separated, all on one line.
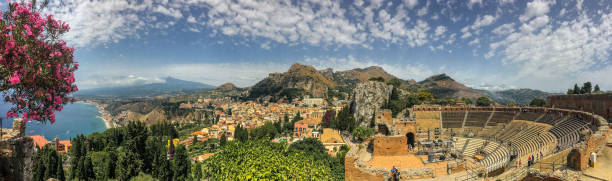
[(74, 119)]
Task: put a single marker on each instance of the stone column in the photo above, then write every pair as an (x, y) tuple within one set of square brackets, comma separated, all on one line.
[(19, 126)]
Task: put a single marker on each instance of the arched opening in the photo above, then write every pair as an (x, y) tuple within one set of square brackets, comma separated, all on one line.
[(382, 129), (410, 137)]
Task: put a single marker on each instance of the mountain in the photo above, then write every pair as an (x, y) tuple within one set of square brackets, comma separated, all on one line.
[(299, 80), (171, 86), (302, 80), (226, 87), (366, 73), (443, 86), (517, 96)]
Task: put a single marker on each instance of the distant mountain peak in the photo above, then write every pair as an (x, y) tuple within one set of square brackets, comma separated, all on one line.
[(226, 86), (299, 67), (440, 77)]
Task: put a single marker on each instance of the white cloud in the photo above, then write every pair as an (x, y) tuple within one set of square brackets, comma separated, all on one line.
[(544, 53), (191, 19), (471, 3), (422, 11), (96, 81), (486, 20), (440, 30), (411, 3), (536, 8), (242, 74), (168, 11), (403, 71), (504, 29)]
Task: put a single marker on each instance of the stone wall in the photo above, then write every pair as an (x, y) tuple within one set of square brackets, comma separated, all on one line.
[(403, 128), (600, 104), (17, 165), (352, 172), (387, 146)]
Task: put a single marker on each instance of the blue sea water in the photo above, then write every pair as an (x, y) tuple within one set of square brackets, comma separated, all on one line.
[(74, 119)]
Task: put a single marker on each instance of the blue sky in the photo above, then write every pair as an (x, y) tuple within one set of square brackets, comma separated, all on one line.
[(489, 44)]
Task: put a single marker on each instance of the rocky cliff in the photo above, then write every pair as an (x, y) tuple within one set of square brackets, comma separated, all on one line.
[(302, 79), (369, 97), (306, 80)]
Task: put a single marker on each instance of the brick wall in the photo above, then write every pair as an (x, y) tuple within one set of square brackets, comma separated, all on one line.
[(600, 104), (386, 146)]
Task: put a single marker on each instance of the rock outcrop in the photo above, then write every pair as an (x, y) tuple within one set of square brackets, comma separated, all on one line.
[(369, 97), (303, 79)]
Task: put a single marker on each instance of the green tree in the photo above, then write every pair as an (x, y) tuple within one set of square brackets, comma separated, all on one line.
[(241, 134), (395, 82), (570, 91), (223, 139), (596, 89), (587, 88), (537, 102), (180, 163), (576, 89), (308, 145), (373, 120), (128, 165), (47, 164), (362, 132), (483, 101), (379, 79), (267, 131), (467, 101)]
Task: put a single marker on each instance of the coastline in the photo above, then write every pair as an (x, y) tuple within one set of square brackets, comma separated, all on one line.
[(104, 115)]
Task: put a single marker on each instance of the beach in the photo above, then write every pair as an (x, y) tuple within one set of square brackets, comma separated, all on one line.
[(104, 115)]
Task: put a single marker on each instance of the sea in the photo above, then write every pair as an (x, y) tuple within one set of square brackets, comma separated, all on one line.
[(74, 119)]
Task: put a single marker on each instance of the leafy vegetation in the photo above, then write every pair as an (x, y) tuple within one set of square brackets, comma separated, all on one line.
[(587, 88), (255, 160), (483, 101), (362, 132), (538, 102), (47, 164), (378, 79), (134, 151)]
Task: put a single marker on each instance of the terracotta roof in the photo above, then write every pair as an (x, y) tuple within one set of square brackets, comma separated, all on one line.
[(39, 140), (310, 121), (66, 143)]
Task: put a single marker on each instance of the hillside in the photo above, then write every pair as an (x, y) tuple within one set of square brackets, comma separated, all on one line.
[(443, 86), (171, 86), (302, 80), (226, 87), (517, 96)]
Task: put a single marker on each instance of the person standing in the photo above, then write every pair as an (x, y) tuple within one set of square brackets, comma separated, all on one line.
[(394, 174)]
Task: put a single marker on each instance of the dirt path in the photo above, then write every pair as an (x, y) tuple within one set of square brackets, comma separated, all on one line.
[(603, 169)]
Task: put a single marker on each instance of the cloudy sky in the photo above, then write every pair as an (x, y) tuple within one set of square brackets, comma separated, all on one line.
[(541, 44)]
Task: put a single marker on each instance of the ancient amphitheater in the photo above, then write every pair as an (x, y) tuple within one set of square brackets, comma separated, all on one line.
[(480, 143)]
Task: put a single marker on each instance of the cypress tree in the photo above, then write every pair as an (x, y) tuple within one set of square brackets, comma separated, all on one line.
[(180, 164), (223, 139), (373, 120)]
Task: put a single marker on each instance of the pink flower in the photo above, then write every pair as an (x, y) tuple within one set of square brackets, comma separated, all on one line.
[(11, 114), (14, 79)]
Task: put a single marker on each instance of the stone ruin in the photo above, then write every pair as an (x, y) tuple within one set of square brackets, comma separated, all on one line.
[(16, 151)]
